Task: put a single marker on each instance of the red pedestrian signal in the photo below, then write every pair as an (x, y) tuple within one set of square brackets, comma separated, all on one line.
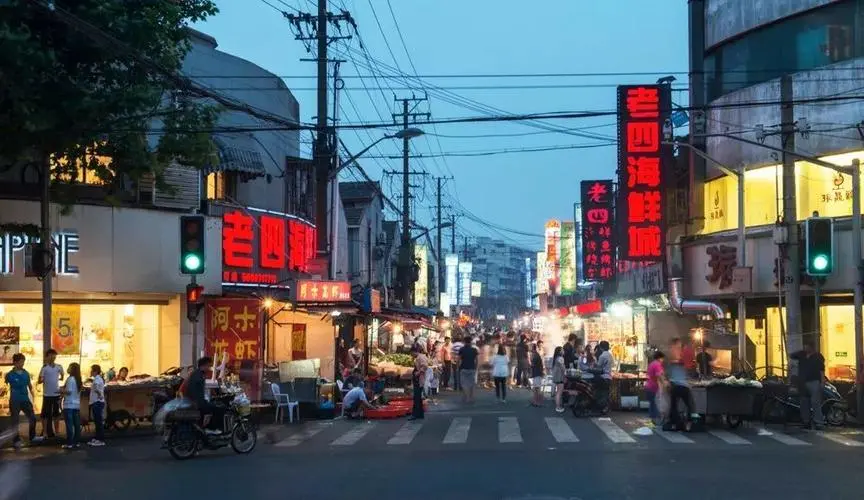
[(194, 301)]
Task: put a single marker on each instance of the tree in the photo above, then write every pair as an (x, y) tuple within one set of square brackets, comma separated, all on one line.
[(84, 82)]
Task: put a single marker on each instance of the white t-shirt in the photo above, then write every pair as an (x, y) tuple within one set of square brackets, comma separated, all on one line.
[(97, 390), (71, 395), (50, 376), (352, 396), (500, 365)]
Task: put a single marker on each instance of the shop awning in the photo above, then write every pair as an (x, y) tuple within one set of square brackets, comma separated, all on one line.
[(238, 153)]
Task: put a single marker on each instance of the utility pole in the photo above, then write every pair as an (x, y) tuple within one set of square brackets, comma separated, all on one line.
[(465, 248), (790, 219), (453, 233), (440, 222), (47, 253), (406, 255), (309, 28)]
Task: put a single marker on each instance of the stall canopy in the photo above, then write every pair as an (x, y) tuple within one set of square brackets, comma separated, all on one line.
[(410, 318)]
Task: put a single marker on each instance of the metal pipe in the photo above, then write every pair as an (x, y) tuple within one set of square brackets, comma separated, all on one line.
[(683, 306)]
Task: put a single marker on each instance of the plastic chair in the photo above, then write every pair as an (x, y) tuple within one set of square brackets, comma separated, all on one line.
[(284, 401)]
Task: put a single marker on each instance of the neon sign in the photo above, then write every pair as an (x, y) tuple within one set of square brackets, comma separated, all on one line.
[(598, 248), (66, 243)]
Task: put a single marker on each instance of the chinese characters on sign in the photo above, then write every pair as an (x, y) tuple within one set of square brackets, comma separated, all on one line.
[(722, 260), (641, 111), (567, 273), (553, 253), (233, 326), (322, 291), (598, 248), (298, 341), (259, 249)]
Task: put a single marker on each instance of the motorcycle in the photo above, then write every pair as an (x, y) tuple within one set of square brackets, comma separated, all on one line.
[(184, 434), (784, 403), (581, 396)]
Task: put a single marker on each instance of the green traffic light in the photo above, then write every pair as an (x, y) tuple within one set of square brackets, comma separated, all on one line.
[(820, 262), (192, 262)]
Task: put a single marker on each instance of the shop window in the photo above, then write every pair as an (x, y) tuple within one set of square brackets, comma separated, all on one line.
[(110, 335), (221, 185)]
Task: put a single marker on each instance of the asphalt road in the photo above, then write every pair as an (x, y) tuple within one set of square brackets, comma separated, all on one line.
[(487, 451)]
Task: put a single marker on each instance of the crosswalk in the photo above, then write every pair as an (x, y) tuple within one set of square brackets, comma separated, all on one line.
[(512, 431)]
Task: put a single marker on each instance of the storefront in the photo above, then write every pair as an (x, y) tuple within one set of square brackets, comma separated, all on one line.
[(116, 294)]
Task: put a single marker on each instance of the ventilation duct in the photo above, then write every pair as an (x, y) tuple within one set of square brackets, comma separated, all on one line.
[(683, 306)]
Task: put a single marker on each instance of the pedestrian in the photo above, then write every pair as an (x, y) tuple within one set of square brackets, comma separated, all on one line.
[(72, 406), (522, 363), (418, 378), (457, 376), (679, 388), (468, 369), (811, 380), (500, 372), (558, 372), (50, 376), (445, 355), (705, 361), (355, 355), (97, 405), (654, 385), (538, 372), (20, 391), (688, 358), (569, 351)]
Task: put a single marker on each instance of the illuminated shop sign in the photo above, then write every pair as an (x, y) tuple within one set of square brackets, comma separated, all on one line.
[(567, 268), (641, 112), (308, 291), (553, 252), (598, 247), (66, 243), (261, 248)]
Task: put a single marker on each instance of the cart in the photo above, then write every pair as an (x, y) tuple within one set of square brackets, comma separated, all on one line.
[(732, 403)]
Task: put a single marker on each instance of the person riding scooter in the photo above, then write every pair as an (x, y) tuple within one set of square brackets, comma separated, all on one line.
[(196, 390)]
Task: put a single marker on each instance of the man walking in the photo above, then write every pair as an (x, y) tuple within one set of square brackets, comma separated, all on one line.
[(50, 377), (811, 379), (468, 369), (445, 354), (20, 391)]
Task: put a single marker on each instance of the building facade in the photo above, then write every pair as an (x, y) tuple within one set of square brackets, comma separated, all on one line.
[(500, 269), (748, 60)]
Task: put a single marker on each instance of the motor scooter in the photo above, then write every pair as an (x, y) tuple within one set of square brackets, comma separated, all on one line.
[(184, 434), (783, 403), (583, 396)]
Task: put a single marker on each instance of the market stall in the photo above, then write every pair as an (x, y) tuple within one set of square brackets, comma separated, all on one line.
[(731, 398)]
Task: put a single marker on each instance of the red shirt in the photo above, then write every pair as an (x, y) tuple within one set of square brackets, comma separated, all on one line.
[(688, 357)]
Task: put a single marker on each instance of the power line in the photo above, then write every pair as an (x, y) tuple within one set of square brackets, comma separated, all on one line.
[(506, 151)]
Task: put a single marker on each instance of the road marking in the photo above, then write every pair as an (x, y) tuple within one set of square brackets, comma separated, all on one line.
[(406, 433), (508, 430), (612, 431), (560, 430), (354, 435), (728, 437), (458, 431), (301, 436), (674, 437), (782, 438), (840, 438)]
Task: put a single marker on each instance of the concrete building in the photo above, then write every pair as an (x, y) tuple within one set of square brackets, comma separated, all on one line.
[(741, 55), (500, 268)]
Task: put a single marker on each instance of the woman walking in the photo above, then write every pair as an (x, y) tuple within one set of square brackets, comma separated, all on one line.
[(97, 405), (421, 364), (71, 393), (500, 372), (558, 370), (538, 371), (654, 385)]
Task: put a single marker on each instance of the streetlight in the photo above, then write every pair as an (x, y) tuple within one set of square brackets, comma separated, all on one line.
[(407, 133)]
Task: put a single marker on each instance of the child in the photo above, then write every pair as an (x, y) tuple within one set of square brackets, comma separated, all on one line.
[(433, 374)]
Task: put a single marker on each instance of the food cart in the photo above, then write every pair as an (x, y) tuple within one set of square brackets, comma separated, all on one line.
[(133, 401), (732, 399)]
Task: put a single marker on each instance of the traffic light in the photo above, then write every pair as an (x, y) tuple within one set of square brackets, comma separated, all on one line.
[(192, 244), (819, 244), (194, 301)]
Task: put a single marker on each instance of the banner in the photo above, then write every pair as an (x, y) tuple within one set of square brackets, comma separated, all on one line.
[(298, 341), (66, 328), (452, 278), (553, 253), (598, 246), (642, 110), (567, 265), (233, 326), (421, 286), (542, 282)]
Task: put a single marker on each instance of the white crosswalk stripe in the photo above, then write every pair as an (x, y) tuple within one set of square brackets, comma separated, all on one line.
[(840, 438), (458, 431), (560, 430), (406, 433), (508, 430), (301, 436), (674, 437), (612, 431), (354, 435), (781, 437), (728, 437)]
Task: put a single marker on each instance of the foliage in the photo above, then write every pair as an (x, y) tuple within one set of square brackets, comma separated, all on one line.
[(399, 359), (85, 82)]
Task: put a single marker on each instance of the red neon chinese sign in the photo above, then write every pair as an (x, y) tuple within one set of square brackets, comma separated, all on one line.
[(322, 291), (260, 249), (598, 248), (641, 111)]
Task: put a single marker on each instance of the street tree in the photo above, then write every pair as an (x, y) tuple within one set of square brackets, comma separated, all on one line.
[(93, 87)]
